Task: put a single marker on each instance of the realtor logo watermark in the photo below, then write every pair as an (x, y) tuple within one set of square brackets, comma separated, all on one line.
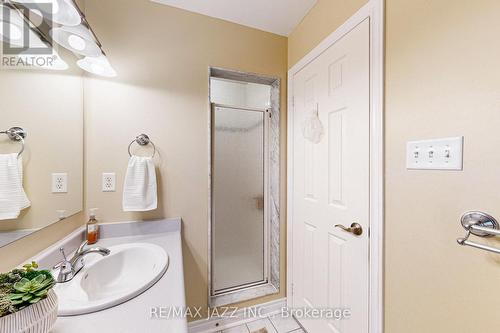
[(196, 313), (23, 46)]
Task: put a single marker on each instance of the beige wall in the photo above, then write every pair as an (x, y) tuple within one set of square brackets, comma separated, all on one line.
[(442, 79), (162, 56), (322, 20)]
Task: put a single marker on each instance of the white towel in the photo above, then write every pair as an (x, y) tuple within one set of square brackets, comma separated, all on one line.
[(140, 190), (13, 199)]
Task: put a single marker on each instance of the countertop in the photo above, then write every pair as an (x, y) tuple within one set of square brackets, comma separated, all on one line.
[(138, 314)]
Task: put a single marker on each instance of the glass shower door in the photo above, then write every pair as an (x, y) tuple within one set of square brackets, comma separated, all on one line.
[(238, 197)]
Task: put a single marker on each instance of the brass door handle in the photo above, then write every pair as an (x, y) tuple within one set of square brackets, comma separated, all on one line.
[(355, 229)]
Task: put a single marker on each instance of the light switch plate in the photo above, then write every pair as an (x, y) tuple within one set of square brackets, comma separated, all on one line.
[(108, 182), (437, 154), (59, 183)]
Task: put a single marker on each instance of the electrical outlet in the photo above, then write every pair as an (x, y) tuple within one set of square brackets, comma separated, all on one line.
[(109, 182), (59, 183)]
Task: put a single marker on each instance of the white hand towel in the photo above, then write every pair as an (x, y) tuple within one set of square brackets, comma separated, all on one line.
[(140, 190), (13, 199)]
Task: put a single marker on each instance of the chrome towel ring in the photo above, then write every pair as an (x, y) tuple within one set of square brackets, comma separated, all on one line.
[(142, 140), (16, 134), (482, 225)]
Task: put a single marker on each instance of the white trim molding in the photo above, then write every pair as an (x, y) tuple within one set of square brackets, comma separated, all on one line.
[(374, 10)]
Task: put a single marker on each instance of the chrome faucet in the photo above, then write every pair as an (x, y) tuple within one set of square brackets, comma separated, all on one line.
[(69, 268)]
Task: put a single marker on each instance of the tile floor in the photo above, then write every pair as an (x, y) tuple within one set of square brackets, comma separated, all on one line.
[(273, 324)]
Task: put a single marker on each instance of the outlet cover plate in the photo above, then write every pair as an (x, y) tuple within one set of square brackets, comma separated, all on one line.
[(436, 154), (108, 182), (59, 183)]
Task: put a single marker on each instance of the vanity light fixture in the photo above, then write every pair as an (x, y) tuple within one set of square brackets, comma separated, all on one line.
[(58, 11), (77, 39), (97, 65), (67, 25)]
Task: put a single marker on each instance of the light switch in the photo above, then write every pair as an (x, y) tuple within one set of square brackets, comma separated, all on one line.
[(437, 154)]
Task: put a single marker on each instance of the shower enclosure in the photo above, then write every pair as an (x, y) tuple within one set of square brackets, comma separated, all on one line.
[(244, 172)]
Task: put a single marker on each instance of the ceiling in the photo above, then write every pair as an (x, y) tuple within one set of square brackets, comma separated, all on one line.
[(276, 16)]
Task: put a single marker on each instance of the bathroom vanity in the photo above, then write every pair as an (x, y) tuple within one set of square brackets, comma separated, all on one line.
[(151, 310)]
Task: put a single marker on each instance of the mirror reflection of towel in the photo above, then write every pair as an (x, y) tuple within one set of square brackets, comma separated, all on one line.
[(13, 199), (140, 189)]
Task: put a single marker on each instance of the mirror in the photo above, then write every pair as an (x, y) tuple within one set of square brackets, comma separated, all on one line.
[(48, 105)]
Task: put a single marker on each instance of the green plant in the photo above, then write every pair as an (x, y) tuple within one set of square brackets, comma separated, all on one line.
[(33, 274), (6, 306), (30, 267), (20, 288), (27, 292), (7, 281)]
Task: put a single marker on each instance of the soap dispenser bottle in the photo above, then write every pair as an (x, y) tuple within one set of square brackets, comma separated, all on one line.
[(92, 227)]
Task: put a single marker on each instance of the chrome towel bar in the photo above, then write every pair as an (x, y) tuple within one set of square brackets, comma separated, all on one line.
[(16, 134), (482, 225), (465, 242)]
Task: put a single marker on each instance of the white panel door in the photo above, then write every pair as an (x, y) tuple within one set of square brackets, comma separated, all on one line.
[(331, 185)]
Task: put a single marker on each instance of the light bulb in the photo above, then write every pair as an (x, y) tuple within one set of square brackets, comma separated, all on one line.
[(76, 42), (77, 39), (97, 69), (97, 65)]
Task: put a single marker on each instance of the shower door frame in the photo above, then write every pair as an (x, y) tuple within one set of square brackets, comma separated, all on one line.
[(265, 253), (271, 283)]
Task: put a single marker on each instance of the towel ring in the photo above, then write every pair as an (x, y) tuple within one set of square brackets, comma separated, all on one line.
[(16, 134), (142, 140)]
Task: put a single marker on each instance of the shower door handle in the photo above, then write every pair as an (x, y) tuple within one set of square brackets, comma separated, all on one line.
[(355, 229)]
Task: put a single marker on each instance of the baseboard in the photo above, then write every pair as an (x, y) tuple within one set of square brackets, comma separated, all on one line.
[(240, 317)]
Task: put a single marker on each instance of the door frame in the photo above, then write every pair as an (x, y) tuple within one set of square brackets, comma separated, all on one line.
[(274, 279), (265, 282), (374, 10)]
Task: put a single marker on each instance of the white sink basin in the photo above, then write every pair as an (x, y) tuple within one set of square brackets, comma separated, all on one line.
[(126, 272)]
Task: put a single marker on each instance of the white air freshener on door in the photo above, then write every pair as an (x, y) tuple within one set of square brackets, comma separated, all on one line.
[(312, 128)]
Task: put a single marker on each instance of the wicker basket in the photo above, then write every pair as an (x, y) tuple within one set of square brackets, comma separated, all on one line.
[(37, 318)]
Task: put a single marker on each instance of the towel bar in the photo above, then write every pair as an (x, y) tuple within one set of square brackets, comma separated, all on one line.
[(482, 225), (16, 134), (465, 242), (142, 140)]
